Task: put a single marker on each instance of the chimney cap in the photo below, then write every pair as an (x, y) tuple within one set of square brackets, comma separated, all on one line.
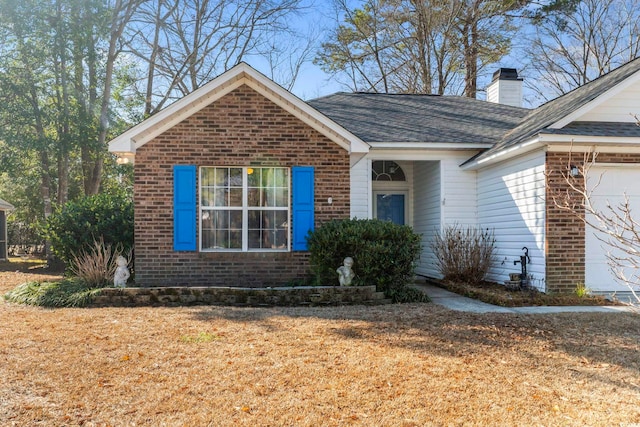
[(506, 74)]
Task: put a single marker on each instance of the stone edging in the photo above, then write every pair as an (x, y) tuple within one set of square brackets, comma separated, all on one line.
[(232, 296)]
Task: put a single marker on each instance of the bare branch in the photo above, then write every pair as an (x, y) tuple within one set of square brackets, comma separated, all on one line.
[(615, 225)]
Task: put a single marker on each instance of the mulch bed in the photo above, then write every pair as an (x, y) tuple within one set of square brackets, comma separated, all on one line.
[(496, 294)]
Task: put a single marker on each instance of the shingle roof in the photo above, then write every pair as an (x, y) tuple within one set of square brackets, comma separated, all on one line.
[(614, 129), (547, 114), (6, 206), (377, 117)]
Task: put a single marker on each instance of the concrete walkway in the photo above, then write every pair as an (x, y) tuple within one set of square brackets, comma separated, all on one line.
[(457, 302)]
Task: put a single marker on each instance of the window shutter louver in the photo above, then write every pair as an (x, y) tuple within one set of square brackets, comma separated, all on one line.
[(303, 205), (184, 208)]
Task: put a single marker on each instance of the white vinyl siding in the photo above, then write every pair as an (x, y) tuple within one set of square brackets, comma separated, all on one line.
[(426, 216), (619, 108), (360, 189), (511, 201), (458, 192)]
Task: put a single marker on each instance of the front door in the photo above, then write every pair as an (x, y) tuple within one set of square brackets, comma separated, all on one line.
[(390, 207)]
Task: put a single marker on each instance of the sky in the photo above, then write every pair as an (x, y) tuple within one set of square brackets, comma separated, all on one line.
[(313, 82)]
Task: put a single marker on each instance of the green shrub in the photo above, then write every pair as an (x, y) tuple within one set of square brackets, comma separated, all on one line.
[(67, 293), (464, 255), (384, 253), (75, 228)]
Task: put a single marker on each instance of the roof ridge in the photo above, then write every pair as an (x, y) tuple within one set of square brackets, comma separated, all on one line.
[(618, 69)]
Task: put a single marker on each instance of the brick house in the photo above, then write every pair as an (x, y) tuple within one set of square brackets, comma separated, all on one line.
[(229, 179)]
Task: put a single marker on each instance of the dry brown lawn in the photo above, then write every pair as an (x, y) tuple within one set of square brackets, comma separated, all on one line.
[(399, 365)]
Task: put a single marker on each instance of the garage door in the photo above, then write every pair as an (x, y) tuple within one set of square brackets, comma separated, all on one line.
[(615, 182)]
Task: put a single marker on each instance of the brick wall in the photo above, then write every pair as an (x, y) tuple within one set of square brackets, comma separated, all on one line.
[(242, 128), (566, 232)]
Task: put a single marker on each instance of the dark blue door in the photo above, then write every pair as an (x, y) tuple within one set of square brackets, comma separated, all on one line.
[(390, 207)]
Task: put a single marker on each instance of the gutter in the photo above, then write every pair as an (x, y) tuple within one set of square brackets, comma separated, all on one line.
[(505, 154)]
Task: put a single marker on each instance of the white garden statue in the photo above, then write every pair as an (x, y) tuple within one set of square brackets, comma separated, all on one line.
[(345, 273), (122, 273)]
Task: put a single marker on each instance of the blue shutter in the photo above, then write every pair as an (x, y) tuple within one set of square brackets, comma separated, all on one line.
[(303, 208), (184, 208)]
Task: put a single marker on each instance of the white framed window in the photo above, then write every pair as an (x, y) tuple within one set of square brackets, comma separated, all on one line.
[(244, 209)]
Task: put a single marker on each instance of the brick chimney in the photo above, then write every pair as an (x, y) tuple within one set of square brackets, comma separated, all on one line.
[(505, 88)]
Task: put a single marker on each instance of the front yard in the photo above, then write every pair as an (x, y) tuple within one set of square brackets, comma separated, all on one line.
[(396, 365)]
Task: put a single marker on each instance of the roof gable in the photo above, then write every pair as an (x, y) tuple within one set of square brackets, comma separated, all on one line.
[(128, 142), (560, 112)]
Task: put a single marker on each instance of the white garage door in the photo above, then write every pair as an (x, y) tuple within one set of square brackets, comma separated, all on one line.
[(615, 181)]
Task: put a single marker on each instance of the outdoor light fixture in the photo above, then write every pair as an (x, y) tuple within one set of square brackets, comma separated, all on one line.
[(574, 170)]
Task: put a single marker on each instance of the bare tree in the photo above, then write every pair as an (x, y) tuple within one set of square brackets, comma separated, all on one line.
[(287, 55), (615, 225), (574, 46), (418, 46), (186, 43)]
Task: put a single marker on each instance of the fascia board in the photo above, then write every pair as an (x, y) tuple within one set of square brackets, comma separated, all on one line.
[(505, 154)]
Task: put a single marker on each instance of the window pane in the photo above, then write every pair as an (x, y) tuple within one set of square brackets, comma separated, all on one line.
[(206, 198), (220, 219), (255, 240), (221, 239), (253, 196), (270, 197), (235, 197), (253, 177), (282, 197), (281, 177), (235, 177), (255, 220), (208, 175), (267, 177), (235, 239), (207, 237), (219, 197), (207, 220), (281, 229), (222, 177), (235, 220)]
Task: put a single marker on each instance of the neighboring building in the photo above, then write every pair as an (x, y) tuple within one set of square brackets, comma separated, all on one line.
[(5, 207), (229, 179)]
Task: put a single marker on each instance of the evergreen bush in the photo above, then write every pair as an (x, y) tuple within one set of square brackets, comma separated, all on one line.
[(384, 254), (103, 217)]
